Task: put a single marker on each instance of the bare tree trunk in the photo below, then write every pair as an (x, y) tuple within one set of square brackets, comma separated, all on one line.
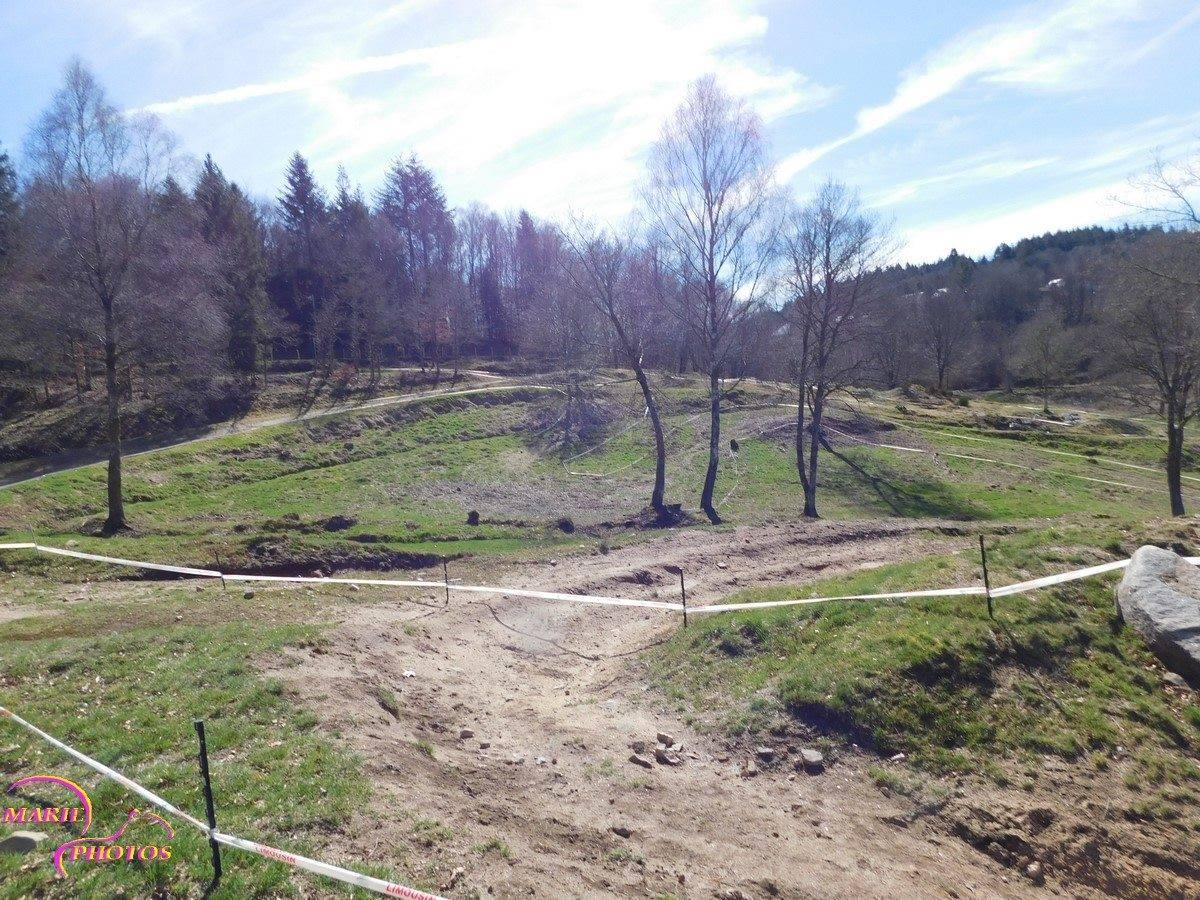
[(1174, 461), (814, 446), (803, 468), (660, 445), (116, 504), (714, 447)]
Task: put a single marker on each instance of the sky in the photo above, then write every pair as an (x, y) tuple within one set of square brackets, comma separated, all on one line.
[(962, 124)]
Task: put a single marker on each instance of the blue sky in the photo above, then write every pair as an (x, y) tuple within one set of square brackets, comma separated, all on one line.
[(966, 123)]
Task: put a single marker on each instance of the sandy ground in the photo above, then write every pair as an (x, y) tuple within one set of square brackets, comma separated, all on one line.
[(553, 698)]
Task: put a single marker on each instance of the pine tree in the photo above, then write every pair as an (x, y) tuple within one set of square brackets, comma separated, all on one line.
[(230, 224), (304, 281)]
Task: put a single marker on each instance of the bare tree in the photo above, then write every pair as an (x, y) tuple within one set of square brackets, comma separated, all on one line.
[(619, 285), (833, 248), (710, 195), (944, 329), (1155, 324), (1046, 353), (94, 204)]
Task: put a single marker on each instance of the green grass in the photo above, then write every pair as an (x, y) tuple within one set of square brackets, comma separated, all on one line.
[(123, 682), (935, 678)]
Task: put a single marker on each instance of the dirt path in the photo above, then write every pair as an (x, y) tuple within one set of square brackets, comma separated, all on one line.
[(31, 470), (553, 698)]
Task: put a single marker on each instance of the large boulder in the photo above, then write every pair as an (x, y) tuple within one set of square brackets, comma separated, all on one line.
[(1160, 597)]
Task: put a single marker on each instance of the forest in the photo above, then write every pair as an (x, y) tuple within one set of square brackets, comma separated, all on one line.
[(130, 270)]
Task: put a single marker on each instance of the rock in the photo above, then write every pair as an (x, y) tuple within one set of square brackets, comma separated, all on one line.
[(722, 565), (354, 588), (249, 595), (731, 894), (667, 757), (339, 523), (639, 759), (22, 842), (766, 754), (473, 518), (1176, 681), (72, 543), (749, 769), (665, 739), (811, 761), (483, 745), (637, 746), (465, 733), (622, 831), (317, 573), (1159, 596), (1034, 872), (899, 757)]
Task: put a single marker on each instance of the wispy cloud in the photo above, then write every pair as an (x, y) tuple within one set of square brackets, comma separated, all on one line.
[(973, 172), (545, 103), (1035, 48)]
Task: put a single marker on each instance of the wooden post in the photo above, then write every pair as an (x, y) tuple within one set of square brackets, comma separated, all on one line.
[(987, 585), (208, 802), (446, 578), (683, 592)]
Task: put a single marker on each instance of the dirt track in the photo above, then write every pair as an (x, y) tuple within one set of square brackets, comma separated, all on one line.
[(554, 691)]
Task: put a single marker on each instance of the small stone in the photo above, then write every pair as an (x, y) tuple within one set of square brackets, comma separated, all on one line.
[(637, 746), (749, 769), (354, 588), (465, 733), (541, 760), (766, 754), (483, 745), (811, 761), (639, 759), (22, 842), (622, 831), (899, 757), (249, 595), (665, 739), (1175, 680), (178, 617), (667, 757), (1035, 873)]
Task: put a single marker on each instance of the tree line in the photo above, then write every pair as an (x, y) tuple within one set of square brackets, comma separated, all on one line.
[(124, 263)]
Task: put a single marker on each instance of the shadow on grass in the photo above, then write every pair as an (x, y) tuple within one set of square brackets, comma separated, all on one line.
[(912, 498)]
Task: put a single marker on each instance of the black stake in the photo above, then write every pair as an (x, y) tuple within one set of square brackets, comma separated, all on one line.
[(987, 586), (683, 591), (446, 578), (208, 803)]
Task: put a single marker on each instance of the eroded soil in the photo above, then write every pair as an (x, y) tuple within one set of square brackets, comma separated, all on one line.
[(552, 697)]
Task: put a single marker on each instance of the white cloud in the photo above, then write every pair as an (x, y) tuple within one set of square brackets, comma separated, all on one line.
[(555, 99), (972, 173), (1038, 48)]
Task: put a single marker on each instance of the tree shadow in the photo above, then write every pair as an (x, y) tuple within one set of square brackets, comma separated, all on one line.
[(911, 499)]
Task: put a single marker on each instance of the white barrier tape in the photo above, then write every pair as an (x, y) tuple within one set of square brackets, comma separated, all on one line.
[(939, 592), (1020, 587), (440, 585), (467, 588), (133, 563), (1074, 575), (127, 783), (303, 862), (378, 885)]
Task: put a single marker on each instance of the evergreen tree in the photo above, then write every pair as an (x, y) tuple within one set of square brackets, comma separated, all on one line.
[(229, 223), (303, 280)]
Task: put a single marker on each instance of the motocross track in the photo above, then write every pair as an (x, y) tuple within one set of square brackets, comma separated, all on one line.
[(556, 693)]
